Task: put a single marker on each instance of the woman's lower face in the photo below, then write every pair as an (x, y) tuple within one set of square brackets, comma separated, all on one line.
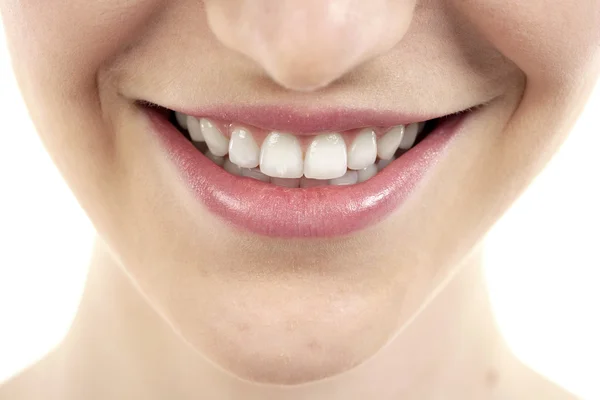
[(289, 180)]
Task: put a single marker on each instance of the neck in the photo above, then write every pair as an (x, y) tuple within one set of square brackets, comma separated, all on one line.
[(452, 349)]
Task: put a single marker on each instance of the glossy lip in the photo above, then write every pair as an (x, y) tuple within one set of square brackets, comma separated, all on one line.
[(305, 121), (275, 211)]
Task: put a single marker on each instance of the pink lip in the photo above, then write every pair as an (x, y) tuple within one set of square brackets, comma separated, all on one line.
[(276, 211), (306, 121)]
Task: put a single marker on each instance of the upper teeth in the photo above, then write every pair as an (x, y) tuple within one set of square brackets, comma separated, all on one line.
[(363, 151), (326, 157), (281, 158), (243, 150), (388, 144), (216, 142)]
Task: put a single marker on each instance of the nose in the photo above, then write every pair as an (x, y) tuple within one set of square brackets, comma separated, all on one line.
[(307, 44)]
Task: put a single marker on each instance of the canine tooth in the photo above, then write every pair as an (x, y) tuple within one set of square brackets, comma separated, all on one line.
[(367, 173), (308, 183), (281, 156), (421, 127), (363, 151), (216, 159), (255, 173), (410, 135), (388, 144), (349, 178), (383, 163), (286, 182), (326, 157), (193, 126), (232, 168), (216, 142), (181, 120), (243, 150)]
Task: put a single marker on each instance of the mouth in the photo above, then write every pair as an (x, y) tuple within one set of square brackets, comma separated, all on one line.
[(281, 173)]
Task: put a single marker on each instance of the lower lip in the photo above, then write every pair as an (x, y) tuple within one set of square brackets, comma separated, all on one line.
[(329, 211)]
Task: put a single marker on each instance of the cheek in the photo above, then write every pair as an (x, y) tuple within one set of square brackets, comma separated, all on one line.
[(57, 54), (555, 44), (67, 42), (551, 41)]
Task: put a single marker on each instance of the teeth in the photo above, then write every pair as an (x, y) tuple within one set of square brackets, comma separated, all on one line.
[(243, 150), (232, 168), (388, 144), (367, 173), (286, 182), (363, 151), (216, 142), (326, 157), (216, 159), (383, 163), (255, 173), (308, 183), (181, 120), (409, 137), (349, 178), (281, 156), (280, 159), (193, 126)]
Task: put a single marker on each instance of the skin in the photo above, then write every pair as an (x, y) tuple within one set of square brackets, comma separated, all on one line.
[(179, 304)]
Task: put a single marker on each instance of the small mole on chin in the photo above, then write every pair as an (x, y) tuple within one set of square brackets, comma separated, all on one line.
[(491, 377)]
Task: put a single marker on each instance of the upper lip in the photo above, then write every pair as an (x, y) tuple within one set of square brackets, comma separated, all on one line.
[(305, 121)]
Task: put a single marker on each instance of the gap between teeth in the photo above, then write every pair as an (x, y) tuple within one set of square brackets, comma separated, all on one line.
[(328, 160)]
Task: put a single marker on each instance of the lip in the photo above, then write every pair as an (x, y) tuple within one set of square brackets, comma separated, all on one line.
[(306, 121), (275, 211)]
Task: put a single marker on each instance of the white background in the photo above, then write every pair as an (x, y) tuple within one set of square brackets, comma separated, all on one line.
[(542, 258)]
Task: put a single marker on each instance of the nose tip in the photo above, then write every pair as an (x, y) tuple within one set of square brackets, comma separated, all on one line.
[(304, 65), (305, 45)]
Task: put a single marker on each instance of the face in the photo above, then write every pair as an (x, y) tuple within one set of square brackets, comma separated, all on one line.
[(241, 240)]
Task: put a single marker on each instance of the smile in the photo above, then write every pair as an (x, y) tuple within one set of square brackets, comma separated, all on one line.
[(258, 173)]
